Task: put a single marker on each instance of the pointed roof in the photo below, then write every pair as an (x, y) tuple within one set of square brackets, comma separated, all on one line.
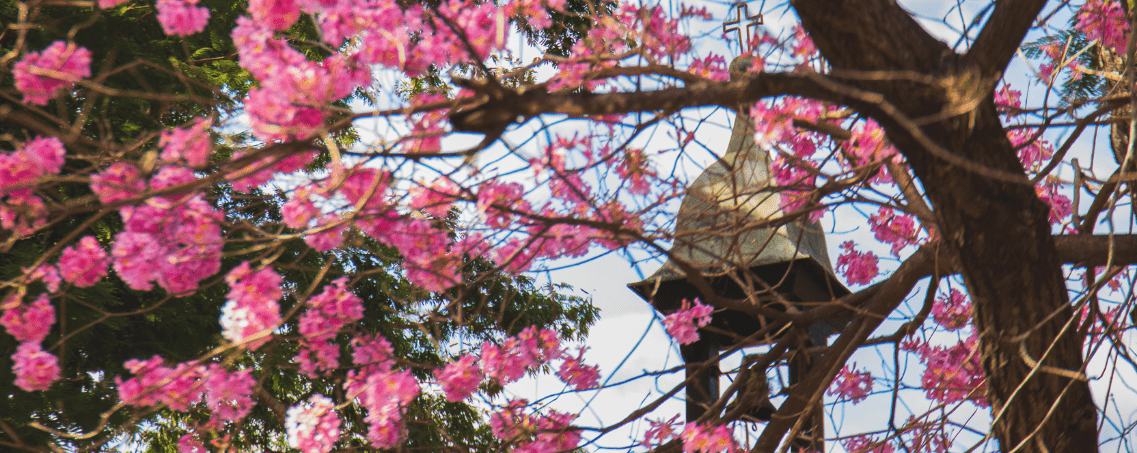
[(720, 225)]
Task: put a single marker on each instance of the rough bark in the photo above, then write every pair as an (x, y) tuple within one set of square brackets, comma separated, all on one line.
[(998, 228)]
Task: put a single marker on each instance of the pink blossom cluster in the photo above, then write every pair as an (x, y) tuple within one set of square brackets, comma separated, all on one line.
[(117, 182), (182, 17), (429, 257), (705, 438), (253, 308), (383, 391), (869, 144), (866, 444), (435, 198), (29, 322), (190, 145), (952, 373), (712, 67), (900, 230), (385, 394), (850, 385), (313, 426), (45, 273), (35, 369), (1060, 205), (952, 311), (459, 379), (508, 361), (328, 312), (574, 372), (859, 268), (534, 432), (20, 210), (427, 128), (260, 171), (1105, 21), (660, 432), (40, 75), (227, 394), (1033, 151), (293, 91), (85, 263), (684, 324), (535, 13), (636, 170), (655, 34), (1008, 101), (175, 242)]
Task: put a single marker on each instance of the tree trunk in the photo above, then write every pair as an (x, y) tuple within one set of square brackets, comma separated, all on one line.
[(998, 226)]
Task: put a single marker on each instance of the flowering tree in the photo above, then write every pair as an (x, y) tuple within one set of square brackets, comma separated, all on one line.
[(355, 282)]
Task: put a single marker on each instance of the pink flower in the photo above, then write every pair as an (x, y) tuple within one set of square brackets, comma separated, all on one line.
[(46, 153), (298, 210), (330, 310), (1060, 205), (953, 311), (707, 439), (373, 354), (538, 432), (30, 323), (175, 243), (20, 170), (636, 169), (253, 307), (436, 198), (712, 67), (890, 228), (117, 182), (502, 362), (953, 373), (35, 369), (1104, 20), (386, 395), (683, 325), (335, 307), (154, 384), (459, 379), (191, 145), (851, 385), (329, 238), (539, 346), (313, 427), (574, 372), (190, 443), (859, 268), (865, 444), (48, 274), (275, 14), (182, 17), (85, 265), (660, 432), (229, 395), (71, 62)]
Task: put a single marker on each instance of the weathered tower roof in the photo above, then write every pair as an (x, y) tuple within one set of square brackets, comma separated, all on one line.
[(723, 227)]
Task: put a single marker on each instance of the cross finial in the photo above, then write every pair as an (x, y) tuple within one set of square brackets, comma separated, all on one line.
[(743, 18)]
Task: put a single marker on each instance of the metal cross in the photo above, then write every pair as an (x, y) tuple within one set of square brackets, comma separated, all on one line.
[(751, 23)]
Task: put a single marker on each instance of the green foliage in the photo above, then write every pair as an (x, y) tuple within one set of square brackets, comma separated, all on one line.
[(101, 327), (1078, 50)]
